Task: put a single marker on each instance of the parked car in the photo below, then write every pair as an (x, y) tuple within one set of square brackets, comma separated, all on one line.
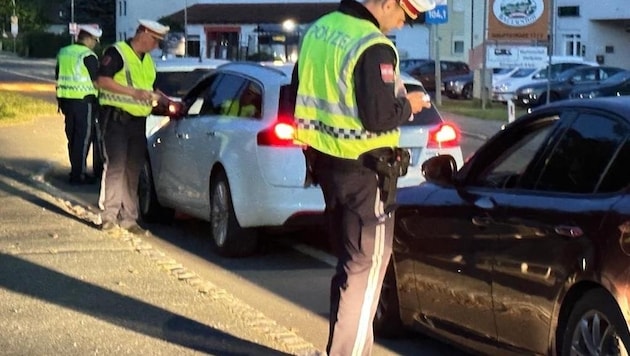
[(411, 62), (559, 88), (425, 71), (526, 248), (244, 173), (458, 86), (616, 85), (461, 86), (174, 77), (503, 90)]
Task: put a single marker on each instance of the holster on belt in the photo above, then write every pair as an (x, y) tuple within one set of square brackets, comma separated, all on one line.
[(389, 164), (111, 113)]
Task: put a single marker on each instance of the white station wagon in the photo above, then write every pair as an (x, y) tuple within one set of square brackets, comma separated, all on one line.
[(230, 158)]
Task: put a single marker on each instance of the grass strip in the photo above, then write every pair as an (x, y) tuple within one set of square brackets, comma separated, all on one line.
[(17, 107)]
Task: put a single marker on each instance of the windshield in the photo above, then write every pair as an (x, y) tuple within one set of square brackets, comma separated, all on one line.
[(522, 73), (176, 84), (501, 70)]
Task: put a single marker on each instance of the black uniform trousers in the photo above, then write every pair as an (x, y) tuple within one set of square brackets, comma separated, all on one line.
[(362, 235), (125, 146), (81, 132)]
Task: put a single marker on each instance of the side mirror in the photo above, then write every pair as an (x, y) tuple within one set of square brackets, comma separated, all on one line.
[(440, 169)]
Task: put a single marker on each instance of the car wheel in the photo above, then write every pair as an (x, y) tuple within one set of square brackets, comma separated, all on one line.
[(387, 322), (467, 91), (230, 239), (593, 325), (150, 208)]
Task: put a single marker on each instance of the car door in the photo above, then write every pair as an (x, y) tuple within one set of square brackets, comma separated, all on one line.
[(558, 205), (201, 141), (174, 159), (451, 236), (582, 78)]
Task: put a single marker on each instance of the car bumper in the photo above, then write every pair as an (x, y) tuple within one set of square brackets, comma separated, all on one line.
[(503, 96)]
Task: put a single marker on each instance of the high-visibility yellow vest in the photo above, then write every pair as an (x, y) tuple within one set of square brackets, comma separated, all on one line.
[(234, 108), (73, 81), (326, 110), (136, 73)]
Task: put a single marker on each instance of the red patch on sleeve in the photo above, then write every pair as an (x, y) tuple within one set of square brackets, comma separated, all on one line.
[(106, 60), (387, 72)]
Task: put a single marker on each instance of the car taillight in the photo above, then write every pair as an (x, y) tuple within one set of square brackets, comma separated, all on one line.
[(444, 136), (280, 134)]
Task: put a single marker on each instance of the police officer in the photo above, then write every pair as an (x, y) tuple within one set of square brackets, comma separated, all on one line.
[(126, 78), (76, 74), (348, 110)]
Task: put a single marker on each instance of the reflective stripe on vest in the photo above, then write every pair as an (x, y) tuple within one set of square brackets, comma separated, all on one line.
[(73, 81), (326, 111), (136, 73)]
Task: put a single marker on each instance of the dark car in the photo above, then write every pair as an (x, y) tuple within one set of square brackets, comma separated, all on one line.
[(411, 62), (425, 72), (535, 94), (458, 86), (525, 249), (616, 85)]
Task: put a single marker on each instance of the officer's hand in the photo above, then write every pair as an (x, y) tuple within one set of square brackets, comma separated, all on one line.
[(139, 94), (418, 101)]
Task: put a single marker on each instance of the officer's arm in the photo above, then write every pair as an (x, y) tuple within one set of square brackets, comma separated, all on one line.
[(379, 108), (91, 63)]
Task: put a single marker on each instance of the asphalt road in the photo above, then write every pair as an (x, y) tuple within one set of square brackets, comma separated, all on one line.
[(273, 281)]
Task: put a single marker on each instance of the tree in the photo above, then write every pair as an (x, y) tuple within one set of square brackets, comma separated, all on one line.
[(101, 12), (30, 16)]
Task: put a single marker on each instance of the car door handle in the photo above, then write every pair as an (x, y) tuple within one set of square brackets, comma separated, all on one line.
[(481, 220), (568, 230), (182, 135)]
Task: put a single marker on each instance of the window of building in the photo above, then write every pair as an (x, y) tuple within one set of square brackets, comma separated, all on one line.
[(568, 11), (458, 47), (572, 44)]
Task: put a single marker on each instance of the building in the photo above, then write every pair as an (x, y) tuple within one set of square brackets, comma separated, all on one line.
[(234, 29), (237, 29)]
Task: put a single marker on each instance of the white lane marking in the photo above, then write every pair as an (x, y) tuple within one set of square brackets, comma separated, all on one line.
[(316, 254)]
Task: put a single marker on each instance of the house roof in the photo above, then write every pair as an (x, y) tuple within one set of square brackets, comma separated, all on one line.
[(253, 13)]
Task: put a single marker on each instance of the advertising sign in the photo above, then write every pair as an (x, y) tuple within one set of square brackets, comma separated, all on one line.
[(519, 20), (516, 56)]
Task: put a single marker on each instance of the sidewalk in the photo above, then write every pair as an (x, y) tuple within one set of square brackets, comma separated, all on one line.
[(67, 288)]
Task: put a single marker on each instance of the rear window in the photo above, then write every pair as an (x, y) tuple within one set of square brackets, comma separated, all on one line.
[(177, 84)]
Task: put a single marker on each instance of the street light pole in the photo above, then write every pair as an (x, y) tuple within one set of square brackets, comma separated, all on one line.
[(14, 34), (185, 28), (72, 17)]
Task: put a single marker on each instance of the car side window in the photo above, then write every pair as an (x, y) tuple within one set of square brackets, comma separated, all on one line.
[(225, 87), (517, 154), (583, 154), (618, 175), (247, 103)]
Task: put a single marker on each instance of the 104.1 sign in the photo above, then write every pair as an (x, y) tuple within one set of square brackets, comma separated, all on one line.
[(438, 15)]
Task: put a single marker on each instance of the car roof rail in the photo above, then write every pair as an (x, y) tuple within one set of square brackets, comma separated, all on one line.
[(266, 65)]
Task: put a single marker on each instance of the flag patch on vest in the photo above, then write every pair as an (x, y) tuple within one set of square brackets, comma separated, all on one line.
[(387, 72)]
